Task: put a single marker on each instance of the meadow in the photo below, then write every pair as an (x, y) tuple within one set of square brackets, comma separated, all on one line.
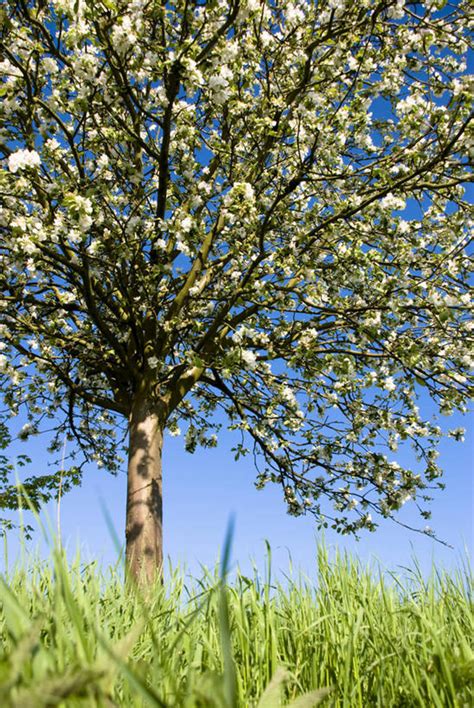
[(72, 634)]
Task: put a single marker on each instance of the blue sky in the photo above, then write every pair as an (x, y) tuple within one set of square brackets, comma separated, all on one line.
[(203, 491)]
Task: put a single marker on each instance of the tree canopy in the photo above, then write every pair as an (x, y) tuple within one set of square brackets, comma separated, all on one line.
[(251, 207)]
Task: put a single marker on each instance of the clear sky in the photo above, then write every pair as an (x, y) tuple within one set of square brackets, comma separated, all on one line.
[(202, 491)]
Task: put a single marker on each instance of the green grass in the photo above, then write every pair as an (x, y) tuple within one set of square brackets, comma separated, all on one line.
[(71, 635)]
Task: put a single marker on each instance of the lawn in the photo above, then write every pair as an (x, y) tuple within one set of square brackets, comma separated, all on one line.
[(73, 635)]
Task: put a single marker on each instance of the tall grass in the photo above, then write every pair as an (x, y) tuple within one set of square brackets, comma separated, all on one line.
[(73, 635)]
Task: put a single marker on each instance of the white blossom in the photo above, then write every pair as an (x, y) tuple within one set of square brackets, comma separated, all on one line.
[(103, 161), (389, 384), (52, 144), (186, 224), (219, 85), (396, 11), (391, 201), (249, 358), (21, 159)]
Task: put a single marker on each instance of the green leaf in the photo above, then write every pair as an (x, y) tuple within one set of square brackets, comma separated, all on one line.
[(444, 314), (110, 4), (134, 678), (16, 619), (230, 677), (310, 699), (19, 657), (55, 690), (271, 697), (208, 691)]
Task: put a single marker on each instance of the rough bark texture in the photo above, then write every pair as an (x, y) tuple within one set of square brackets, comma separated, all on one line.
[(144, 523)]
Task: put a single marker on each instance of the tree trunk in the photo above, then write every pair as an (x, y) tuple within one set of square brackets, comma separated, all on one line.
[(144, 523)]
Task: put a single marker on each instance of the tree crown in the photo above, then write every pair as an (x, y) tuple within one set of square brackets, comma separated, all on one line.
[(252, 207)]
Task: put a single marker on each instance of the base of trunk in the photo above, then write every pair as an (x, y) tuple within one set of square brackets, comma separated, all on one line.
[(144, 523)]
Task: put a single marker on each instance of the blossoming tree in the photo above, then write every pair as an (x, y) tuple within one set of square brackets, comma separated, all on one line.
[(247, 207)]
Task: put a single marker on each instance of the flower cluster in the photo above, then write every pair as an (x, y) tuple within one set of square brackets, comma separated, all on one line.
[(22, 159)]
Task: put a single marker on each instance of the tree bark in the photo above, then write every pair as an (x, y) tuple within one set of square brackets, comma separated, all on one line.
[(144, 522)]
